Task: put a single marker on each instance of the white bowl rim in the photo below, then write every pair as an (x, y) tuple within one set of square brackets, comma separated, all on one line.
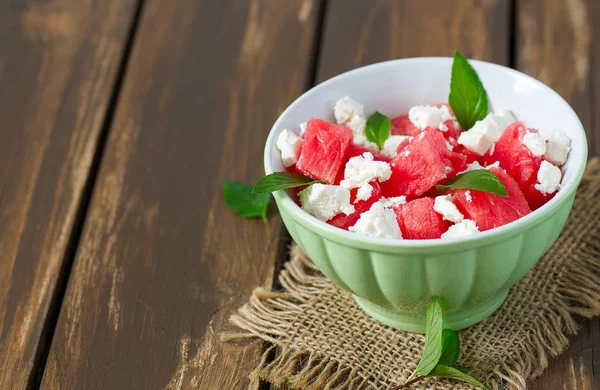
[(493, 235)]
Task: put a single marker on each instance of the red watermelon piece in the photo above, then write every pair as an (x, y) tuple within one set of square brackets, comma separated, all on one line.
[(418, 220), (470, 155), (344, 221), (324, 150), (401, 125), (520, 163), (490, 210), (422, 164)]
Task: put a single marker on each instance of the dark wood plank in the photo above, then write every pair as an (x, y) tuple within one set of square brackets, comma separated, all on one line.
[(58, 65), (358, 33), (558, 42), (162, 261)]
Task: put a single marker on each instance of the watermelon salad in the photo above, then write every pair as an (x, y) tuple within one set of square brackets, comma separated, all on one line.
[(389, 190)]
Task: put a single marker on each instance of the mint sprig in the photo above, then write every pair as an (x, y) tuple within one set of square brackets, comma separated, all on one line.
[(441, 350), (282, 181), (240, 198), (478, 179), (468, 98), (378, 128)]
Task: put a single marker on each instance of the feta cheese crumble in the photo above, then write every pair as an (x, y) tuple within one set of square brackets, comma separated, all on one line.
[(289, 145), (548, 178), (325, 201), (392, 202), (443, 205), (350, 113), (303, 128), (475, 142), (432, 116), (494, 124), (390, 146), (475, 165), (377, 222), (468, 196), (558, 148), (490, 129), (363, 169), (465, 227), (535, 143), (364, 192)]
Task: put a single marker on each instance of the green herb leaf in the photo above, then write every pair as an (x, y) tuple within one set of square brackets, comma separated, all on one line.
[(451, 372), (432, 351), (478, 179), (468, 98), (240, 198), (378, 128), (281, 181), (450, 347), (464, 369)]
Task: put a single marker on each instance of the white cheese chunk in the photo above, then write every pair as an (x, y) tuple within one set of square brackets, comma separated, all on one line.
[(494, 124), (364, 192), (325, 201), (289, 144), (377, 222), (475, 165), (431, 116), (490, 129), (558, 148), (465, 227), (475, 142), (350, 113), (548, 178), (390, 146), (535, 143), (363, 169), (303, 128), (468, 196), (392, 202), (444, 206)]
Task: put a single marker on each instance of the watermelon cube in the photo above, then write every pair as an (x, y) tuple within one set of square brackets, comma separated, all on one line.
[(401, 125), (490, 210), (344, 221), (520, 163), (422, 164), (324, 150), (470, 155), (418, 220)]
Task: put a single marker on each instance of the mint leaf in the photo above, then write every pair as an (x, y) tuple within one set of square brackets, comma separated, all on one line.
[(240, 198), (478, 179), (378, 128), (450, 347), (464, 369), (468, 98), (432, 351), (281, 181), (451, 372)]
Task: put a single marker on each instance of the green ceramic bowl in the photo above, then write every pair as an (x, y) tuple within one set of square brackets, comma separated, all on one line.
[(392, 280)]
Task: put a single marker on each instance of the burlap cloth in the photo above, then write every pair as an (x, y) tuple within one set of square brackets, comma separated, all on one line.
[(319, 338)]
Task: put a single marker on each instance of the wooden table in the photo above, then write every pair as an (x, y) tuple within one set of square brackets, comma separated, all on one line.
[(119, 261)]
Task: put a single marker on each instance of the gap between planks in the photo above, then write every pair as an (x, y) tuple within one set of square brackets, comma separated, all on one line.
[(49, 327)]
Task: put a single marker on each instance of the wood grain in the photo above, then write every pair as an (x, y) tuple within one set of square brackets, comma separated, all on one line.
[(558, 42), (358, 33), (162, 261), (58, 65)]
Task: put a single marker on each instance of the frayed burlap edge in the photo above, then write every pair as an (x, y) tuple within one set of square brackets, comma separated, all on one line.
[(270, 315)]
